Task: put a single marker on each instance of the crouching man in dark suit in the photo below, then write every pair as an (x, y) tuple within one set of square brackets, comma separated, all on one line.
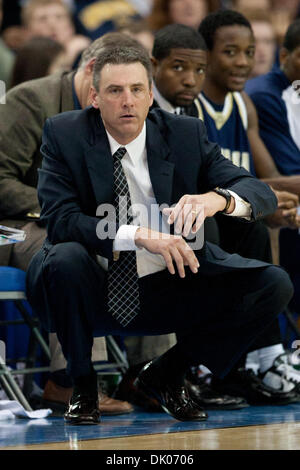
[(107, 270)]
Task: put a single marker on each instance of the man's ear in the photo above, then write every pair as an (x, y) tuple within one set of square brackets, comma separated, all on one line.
[(93, 97), (89, 67)]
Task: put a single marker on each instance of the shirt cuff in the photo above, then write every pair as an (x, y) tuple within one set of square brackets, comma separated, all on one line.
[(124, 240), (242, 208)]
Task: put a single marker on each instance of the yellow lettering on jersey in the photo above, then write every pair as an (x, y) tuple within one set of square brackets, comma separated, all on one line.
[(245, 160), (239, 159)]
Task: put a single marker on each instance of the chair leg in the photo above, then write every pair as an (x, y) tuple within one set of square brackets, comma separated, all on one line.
[(6, 387), (30, 363), (11, 387), (117, 354), (30, 321)]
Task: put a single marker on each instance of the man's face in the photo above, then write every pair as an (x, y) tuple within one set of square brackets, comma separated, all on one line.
[(124, 99), (291, 63), (51, 21), (179, 77), (231, 59), (265, 47), (187, 12)]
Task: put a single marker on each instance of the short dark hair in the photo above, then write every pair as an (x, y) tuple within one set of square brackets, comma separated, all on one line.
[(113, 39), (176, 36), (292, 36), (218, 19), (121, 54)]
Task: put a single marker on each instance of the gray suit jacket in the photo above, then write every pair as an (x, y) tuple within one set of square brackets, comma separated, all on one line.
[(22, 118)]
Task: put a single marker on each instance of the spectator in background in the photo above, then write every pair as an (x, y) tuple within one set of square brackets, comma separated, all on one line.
[(265, 41), (276, 97), (284, 12), (187, 12), (52, 19), (37, 58), (141, 32), (6, 56), (95, 18), (255, 4), (281, 12)]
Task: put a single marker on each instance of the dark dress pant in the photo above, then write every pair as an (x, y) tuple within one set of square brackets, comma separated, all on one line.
[(216, 316), (251, 241)]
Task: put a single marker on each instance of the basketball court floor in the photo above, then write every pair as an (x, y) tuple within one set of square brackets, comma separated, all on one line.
[(252, 428)]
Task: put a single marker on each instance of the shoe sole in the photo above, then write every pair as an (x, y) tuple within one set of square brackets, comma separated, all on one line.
[(224, 407), (81, 421), (60, 408), (263, 401)]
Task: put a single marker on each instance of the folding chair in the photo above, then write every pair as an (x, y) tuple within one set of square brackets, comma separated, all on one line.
[(12, 287)]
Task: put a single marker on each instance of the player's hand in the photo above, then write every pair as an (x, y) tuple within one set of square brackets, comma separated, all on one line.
[(284, 219), (286, 199)]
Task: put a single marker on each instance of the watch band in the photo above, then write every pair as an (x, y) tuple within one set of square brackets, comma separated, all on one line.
[(226, 194)]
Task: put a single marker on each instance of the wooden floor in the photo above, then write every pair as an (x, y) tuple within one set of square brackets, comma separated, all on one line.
[(267, 437)]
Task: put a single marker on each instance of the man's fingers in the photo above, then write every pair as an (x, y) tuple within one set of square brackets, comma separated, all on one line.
[(287, 204), (177, 257), (169, 262), (175, 212), (190, 258), (290, 213), (187, 218), (167, 211), (179, 223), (189, 222), (180, 255), (199, 221)]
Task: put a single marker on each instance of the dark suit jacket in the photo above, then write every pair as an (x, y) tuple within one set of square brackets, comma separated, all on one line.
[(77, 176)]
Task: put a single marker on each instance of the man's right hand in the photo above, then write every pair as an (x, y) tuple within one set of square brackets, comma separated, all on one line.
[(173, 248)]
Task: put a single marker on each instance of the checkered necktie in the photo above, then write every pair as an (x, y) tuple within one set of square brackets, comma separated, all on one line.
[(123, 290)]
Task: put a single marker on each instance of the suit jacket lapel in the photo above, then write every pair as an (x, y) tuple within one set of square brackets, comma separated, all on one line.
[(160, 170), (99, 161)]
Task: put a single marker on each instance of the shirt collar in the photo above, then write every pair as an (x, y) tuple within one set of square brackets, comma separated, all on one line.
[(135, 148)]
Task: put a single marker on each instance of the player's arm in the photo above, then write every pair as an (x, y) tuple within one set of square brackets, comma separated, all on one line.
[(264, 164)]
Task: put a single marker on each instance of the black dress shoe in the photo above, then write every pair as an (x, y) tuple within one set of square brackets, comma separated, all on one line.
[(245, 383), (174, 400), (203, 395), (83, 409)]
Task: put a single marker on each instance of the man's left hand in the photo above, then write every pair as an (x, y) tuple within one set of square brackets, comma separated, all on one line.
[(191, 211)]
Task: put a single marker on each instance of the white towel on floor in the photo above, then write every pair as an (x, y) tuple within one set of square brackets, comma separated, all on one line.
[(10, 409)]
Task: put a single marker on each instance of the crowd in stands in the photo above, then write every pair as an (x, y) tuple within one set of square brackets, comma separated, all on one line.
[(250, 87), (75, 24)]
